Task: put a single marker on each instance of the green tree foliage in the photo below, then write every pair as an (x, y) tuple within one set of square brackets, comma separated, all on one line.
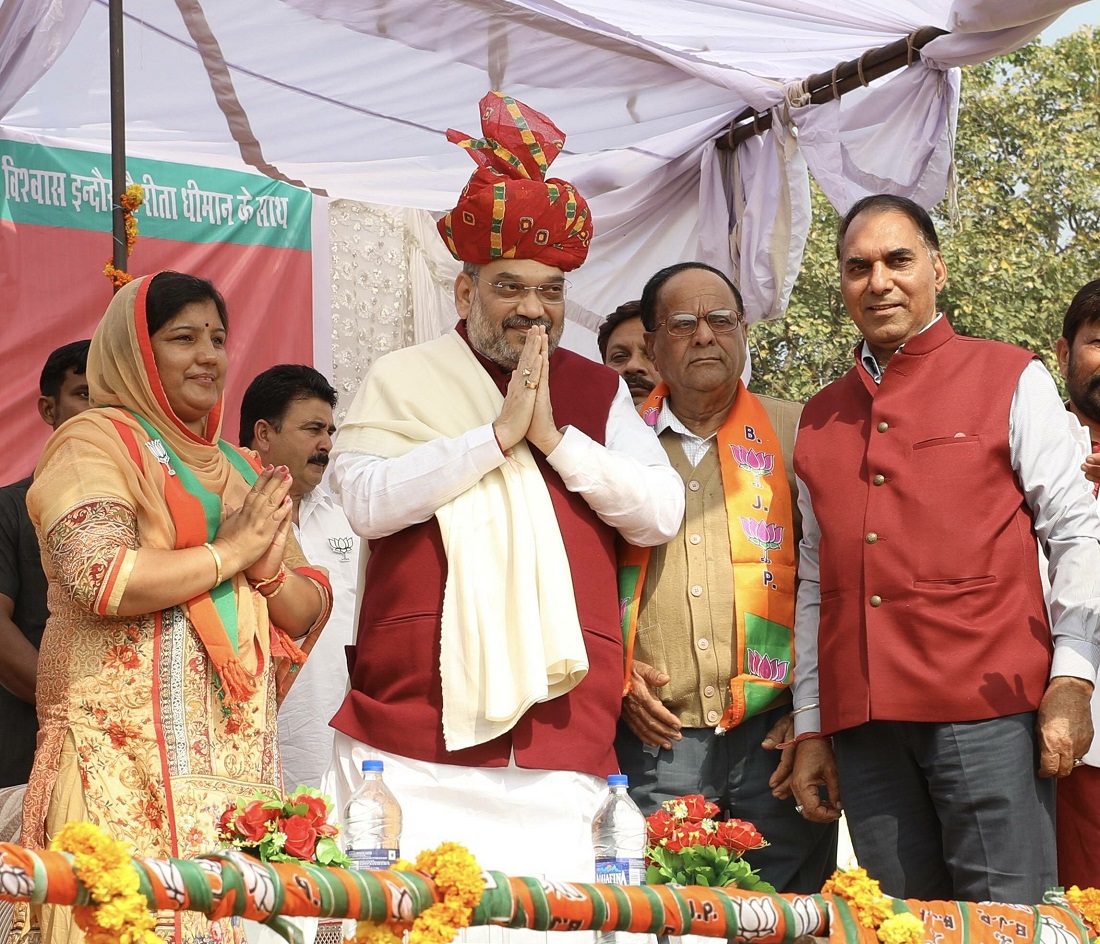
[(1027, 234)]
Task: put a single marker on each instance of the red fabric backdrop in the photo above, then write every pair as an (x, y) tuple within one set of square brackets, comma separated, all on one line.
[(52, 291)]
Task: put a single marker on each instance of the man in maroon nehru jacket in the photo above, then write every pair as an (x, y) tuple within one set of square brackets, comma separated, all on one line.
[(924, 649), (491, 472)]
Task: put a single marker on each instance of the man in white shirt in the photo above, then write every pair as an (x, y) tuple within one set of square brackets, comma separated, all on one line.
[(492, 473), (286, 416), (1078, 818)]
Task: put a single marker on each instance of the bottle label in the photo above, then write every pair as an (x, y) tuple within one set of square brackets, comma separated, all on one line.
[(376, 860), (620, 871)]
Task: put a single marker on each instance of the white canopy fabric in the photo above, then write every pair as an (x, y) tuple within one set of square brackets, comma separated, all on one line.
[(352, 98)]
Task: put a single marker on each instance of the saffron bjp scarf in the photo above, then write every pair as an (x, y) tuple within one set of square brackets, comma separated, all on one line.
[(510, 635), (762, 551), (174, 480)]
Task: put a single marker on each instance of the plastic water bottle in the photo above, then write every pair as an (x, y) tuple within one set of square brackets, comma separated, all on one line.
[(372, 822), (618, 837)]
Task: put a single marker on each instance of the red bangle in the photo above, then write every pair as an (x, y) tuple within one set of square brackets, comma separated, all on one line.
[(807, 736), (277, 578)]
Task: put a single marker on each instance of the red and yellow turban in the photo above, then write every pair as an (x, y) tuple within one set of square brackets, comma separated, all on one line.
[(507, 210)]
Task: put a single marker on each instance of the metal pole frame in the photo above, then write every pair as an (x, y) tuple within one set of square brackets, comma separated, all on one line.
[(118, 134)]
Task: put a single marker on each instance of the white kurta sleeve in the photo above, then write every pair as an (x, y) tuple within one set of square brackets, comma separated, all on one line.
[(1048, 466), (628, 482), (806, 617), (382, 496)]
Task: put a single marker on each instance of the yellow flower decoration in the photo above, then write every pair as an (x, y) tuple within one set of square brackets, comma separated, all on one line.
[(872, 909), (901, 929), (1087, 903), (118, 277), (367, 932), (457, 876), (120, 914)]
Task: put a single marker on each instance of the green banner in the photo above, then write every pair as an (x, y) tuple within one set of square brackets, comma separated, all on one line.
[(47, 186)]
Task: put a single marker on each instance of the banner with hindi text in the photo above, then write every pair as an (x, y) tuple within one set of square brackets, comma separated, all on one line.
[(248, 234)]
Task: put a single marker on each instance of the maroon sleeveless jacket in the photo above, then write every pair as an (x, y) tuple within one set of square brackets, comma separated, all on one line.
[(931, 602), (395, 702)]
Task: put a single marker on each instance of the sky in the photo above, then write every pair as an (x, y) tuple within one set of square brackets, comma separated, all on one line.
[(1084, 14)]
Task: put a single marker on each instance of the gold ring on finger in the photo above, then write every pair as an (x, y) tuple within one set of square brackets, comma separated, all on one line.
[(530, 384)]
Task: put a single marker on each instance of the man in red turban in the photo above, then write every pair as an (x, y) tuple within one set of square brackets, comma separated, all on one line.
[(492, 473)]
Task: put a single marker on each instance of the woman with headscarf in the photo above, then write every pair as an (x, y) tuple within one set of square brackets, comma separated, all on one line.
[(176, 593)]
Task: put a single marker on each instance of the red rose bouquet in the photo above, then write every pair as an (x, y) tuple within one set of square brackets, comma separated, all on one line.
[(687, 846), (284, 829)]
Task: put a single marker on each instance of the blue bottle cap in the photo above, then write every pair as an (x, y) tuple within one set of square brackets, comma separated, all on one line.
[(373, 765), (617, 780)]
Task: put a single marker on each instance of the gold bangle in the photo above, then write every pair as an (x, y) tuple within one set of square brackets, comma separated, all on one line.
[(217, 563)]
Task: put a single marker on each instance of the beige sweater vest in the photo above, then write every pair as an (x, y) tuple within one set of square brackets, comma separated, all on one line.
[(687, 618)]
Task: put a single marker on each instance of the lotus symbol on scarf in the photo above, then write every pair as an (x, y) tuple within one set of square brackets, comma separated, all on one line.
[(765, 667), (764, 534), (757, 464)]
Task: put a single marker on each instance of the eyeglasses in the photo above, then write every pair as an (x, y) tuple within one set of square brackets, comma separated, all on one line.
[(549, 293), (684, 325)]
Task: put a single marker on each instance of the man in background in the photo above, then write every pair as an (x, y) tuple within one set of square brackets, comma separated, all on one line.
[(1078, 819), (23, 611), (286, 416), (621, 340)]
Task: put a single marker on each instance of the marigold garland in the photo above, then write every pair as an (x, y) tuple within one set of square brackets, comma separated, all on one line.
[(873, 909), (129, 201), (457, 876), (1087, 903), (120, 914)]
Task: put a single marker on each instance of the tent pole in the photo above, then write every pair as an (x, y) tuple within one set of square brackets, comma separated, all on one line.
[(118, 135), (827, 86)]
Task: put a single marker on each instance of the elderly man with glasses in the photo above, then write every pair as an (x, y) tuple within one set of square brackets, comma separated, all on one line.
[(710, 615), (493, 473)]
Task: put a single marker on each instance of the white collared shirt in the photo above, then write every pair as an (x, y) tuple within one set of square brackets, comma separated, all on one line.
[(305, 738), (870, 362), (695, 447)]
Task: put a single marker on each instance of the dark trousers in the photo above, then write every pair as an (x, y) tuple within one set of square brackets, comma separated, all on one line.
[(951, 811), (732, 770)]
